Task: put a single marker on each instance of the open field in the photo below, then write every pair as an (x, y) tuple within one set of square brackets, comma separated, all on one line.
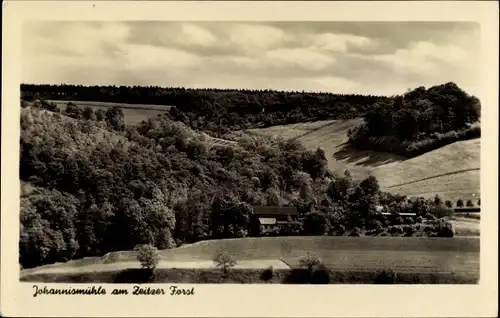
[(134, 113), (360, 254), (245, 276), (451, 171)]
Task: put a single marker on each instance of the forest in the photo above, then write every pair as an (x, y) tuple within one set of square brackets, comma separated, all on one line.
[(92, 185), (419, 121), (217, 110)]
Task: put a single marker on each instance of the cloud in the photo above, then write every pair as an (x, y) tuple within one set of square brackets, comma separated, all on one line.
[(253, 37), (424, 57), (340, 42), (357, 57)]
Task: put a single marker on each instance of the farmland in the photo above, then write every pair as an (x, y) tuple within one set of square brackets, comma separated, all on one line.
[(340, 254), (451, 171), (134, 113)]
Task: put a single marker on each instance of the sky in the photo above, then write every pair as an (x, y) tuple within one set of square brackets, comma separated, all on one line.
[(340, 57)]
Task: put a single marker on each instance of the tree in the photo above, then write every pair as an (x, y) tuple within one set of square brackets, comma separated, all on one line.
[(223, 260), (460, 203), (437, 200), (448, 204), (115, 118), (72, 111), (316, 223), (148, 256), (469, 203), (479, 202), (229, 217), (88, 113)]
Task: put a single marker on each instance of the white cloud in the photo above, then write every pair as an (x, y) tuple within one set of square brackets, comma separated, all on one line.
[(303, 58), (146, 57), (339, 42), (253, 37), (425, 57), (192, 34)]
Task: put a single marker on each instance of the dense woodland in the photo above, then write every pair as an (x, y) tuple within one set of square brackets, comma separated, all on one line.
[(92, 185), (419, 121), (217, 110)]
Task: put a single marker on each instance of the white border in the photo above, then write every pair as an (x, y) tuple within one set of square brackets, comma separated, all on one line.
[(262, 300)]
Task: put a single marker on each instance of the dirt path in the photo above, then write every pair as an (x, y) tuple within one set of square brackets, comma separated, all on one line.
[(247, 264)]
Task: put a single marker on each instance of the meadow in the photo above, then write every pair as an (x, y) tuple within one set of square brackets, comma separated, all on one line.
[(459, 255), (452, 171)]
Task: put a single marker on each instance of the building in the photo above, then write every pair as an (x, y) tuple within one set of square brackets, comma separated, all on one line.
[(271, 219)]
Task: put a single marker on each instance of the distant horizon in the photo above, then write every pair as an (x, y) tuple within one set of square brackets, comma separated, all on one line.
[(252, 89)]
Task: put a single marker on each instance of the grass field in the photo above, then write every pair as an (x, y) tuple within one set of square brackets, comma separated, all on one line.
[(134, 113), (245, 276), (459, 255), (451, 171)]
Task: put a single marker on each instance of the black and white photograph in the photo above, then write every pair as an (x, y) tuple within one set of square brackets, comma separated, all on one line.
[(178, 154)]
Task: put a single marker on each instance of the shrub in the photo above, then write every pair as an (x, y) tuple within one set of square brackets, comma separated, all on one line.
[(340, 230), (469, 203), (409, 230), (420, 219), (460, 203), (409, 220), (385, 277), (393, 230), (320, 275), (355, 232), (148, 256), (309, 261), (445, 229), (267, 274), (441, 211), (223, 260), (448, 204)]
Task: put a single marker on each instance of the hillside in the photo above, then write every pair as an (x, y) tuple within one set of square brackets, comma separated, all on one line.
[(451, 171)]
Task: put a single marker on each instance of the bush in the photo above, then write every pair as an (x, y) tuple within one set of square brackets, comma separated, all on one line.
[(340, 230), (399, 220), (148, 256), (267, 274), (409, 220), (385, 277), (409, 230), (320, 275), (445, 229), (441, 211), (223, 260), (420, 219), (355, 232), (309, 261), (393, 230)]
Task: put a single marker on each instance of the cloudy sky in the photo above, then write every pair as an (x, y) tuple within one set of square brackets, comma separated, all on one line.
[(343, 57)]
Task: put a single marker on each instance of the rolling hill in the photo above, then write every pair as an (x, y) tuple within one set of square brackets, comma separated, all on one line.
[(451, 171)]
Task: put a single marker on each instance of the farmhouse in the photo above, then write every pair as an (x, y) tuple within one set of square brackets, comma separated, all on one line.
[(274, 218)]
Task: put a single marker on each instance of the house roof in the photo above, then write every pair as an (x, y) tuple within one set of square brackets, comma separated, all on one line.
[(267, 221), (275, 210)]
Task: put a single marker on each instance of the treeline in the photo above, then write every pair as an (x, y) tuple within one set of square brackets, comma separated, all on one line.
[(218, 110), (419, 121), (95, 186)]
